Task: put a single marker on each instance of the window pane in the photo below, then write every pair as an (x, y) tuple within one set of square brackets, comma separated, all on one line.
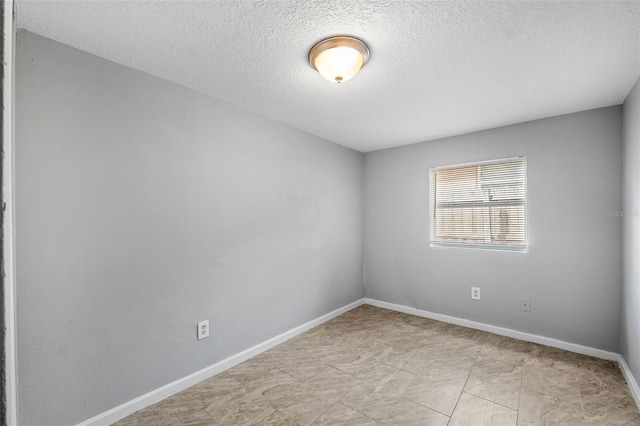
[(479, 205)]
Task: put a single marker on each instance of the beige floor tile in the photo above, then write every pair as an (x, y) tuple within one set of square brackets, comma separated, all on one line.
[(601, 369), (552, 382), (496, 381), (175, 409), (603, 398), (437, 369), (396, 386), (252, 369), (276, 418), (506, 349), (372, 365), (406, 343), (303, 408), (220, 406), (341, 415), (424, 323), (459, 352), (475, 411), (272, 385), (331, 383), (214, 387), (252, 412), (398, 411), (417, 358), (537, 409), (151, 418), (615, 417), (379, 375), (467, 335), (472, 343), (131, 420), (197, 418), (396, 357), (546, 356), (316, 347), (357, 363), (438, 394), (303, 368)]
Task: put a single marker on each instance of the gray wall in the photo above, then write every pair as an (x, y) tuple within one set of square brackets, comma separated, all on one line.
[(572, 271), (630, 315), (144, 207)]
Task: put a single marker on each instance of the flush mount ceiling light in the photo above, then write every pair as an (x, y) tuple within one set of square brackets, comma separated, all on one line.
[(339, 58)]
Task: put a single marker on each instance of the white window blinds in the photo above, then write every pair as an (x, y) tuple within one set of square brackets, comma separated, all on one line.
[(480, 205)]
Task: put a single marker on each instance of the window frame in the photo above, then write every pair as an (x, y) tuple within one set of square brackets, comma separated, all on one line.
[(478, 246)]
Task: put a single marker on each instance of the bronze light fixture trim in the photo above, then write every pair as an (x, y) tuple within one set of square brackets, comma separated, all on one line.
[(339, 58)]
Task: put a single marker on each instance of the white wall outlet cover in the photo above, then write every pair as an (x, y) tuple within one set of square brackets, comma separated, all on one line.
[(475, 293), (203, 329)]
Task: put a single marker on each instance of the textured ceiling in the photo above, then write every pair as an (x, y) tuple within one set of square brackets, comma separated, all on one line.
[(437, 68)]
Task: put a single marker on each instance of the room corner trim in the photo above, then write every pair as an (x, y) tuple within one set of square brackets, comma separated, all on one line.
[(631, 381), (8, 261), (573, 347), (172, 388)]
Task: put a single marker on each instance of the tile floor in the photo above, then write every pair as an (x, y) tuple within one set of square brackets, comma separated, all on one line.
[(373, 366)]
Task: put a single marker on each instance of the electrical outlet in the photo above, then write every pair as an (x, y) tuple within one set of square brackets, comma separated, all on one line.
[(475, 293), (525, 305), (203, 329)]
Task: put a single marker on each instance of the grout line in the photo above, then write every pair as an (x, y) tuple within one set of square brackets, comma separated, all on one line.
[(363, 414), (285, 416), (521, 388), (465, 385), (488, 400), (288, 374), (427, 407)]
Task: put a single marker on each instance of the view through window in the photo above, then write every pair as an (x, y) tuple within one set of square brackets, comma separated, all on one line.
[(480, 205)]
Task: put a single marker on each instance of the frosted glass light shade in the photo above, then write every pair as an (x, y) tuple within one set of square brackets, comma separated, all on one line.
[(338, 59)]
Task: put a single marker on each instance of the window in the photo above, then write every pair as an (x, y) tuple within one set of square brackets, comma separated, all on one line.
[(480, 205)]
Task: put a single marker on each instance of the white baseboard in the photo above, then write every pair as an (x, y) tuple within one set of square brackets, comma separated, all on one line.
[(631, 381), (157, 395), (130, 407), (585, 350)]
